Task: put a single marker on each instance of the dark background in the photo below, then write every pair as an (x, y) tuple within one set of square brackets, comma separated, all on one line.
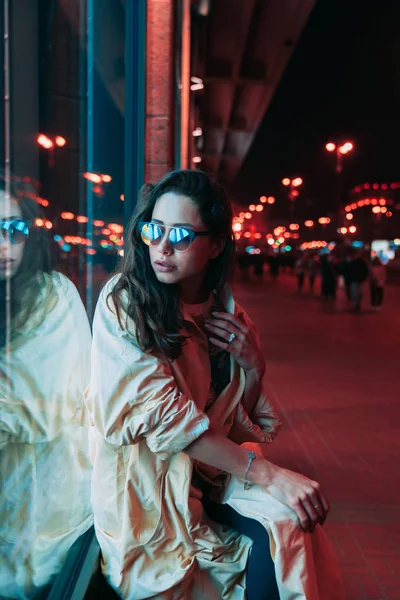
[(343, 82)]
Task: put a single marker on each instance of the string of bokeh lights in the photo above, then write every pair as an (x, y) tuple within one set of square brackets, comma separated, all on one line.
[(110, 235), (379, 206)]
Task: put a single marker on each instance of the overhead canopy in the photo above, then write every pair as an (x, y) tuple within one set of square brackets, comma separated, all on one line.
[(240, 49)]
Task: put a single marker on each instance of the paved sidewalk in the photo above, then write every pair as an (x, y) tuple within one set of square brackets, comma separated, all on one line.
[(335, 378)]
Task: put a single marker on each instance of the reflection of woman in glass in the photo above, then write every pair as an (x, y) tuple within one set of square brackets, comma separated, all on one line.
[(176, 388), (44, 465)]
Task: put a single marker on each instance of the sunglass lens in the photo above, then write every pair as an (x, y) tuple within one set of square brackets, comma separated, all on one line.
[(19, 232), (180, 238), (151, 234), (15, 232)]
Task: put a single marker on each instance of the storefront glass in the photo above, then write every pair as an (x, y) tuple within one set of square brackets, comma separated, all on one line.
[(65, 142)]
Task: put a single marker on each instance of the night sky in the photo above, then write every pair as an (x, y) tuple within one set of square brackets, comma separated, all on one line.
[(343, 82)]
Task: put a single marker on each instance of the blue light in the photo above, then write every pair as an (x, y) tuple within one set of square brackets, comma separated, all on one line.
[(57, 238), (288, 248)]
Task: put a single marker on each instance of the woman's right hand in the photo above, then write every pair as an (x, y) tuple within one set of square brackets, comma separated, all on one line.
[(304, 496)]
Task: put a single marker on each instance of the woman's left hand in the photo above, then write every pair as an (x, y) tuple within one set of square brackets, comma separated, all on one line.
[(243, 347)]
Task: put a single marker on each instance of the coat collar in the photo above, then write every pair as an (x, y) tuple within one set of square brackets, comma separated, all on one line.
[(226, 297)]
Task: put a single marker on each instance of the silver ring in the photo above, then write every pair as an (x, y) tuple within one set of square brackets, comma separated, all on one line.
[(317, 506), (231, 338)]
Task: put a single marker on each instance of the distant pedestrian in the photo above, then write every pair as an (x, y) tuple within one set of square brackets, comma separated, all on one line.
[(377, 283), (358, 270), (301, 269), (329, 277), (346, 276), (258, 263), (313, 268), (274, 265)]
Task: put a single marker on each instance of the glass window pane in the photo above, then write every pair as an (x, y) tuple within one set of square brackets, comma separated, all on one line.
[(62, 150)]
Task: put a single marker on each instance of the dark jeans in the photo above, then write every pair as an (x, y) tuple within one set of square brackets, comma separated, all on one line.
[(347, 284), (356, 295), (260, 573), (328, 288), (311, 281), (300, 281), (376, 295)]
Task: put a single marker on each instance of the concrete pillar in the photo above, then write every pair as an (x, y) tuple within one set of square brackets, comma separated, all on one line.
[(160, 89)]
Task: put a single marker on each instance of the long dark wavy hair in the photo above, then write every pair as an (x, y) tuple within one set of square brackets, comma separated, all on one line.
[(154, 306), (26, 284)]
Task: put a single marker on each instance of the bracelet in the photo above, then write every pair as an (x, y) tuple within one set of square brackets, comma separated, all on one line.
[(247, 484)]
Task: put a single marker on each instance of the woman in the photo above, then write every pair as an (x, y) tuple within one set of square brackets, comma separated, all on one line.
[(44, 368), (176, 388)]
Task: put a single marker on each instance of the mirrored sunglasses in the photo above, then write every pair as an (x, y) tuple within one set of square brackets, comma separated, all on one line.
[(14, 231), (179, 238)]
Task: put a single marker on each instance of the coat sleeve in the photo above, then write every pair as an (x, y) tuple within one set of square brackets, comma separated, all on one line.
[(133, 395), (264, 424), (263, 427), (44, 375)]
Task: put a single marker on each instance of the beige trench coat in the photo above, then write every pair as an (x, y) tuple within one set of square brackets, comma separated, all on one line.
[(155, 539), (45, 470)]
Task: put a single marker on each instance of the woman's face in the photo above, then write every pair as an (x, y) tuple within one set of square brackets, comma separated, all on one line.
[(10, 254), (187, 269)]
